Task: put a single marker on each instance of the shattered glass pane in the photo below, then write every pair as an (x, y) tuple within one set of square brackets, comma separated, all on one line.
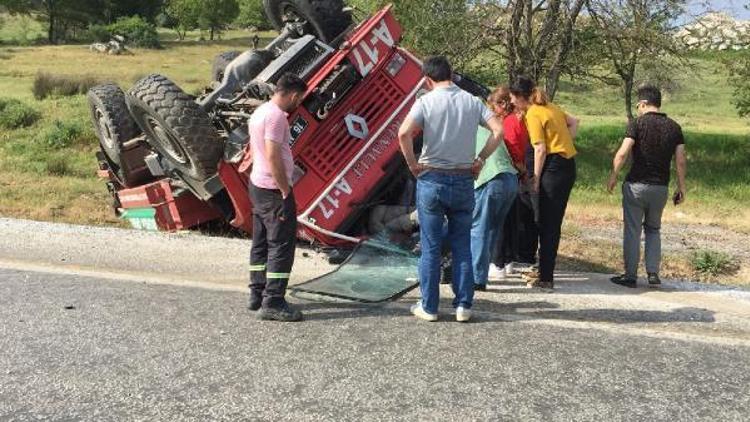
[(375, 272)]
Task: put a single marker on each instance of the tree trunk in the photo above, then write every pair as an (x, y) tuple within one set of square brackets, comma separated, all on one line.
[(51, 28), (628, 88), (211, 33)]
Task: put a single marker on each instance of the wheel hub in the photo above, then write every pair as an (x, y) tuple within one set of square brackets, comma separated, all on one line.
[(170, 145), (104, 130)]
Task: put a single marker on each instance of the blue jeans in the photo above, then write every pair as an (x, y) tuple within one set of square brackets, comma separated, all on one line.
[(492, 203), (441, 195)]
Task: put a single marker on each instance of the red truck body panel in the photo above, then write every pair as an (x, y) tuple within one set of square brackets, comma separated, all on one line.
[(344, 156)]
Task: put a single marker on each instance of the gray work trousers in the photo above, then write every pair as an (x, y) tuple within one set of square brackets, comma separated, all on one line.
[(642, 207)]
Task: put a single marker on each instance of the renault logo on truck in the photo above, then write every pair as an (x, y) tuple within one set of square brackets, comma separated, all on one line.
[(357, 126)]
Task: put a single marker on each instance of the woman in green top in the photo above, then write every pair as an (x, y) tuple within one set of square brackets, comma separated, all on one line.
[(494, 192)]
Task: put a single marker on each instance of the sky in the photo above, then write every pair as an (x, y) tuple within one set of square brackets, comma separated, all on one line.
[(733, 7)]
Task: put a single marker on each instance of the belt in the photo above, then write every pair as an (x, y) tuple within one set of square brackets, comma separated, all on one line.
[(465, 171)]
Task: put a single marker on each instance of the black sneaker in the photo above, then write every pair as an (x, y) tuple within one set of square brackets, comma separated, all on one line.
[(284, 314), (480, 287), (654, 280), (625, 281), (254, 303)]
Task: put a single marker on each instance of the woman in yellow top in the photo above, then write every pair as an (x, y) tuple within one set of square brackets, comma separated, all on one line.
[(551, 132)]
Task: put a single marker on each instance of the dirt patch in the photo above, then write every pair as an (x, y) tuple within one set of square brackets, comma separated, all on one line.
[(591, 243)]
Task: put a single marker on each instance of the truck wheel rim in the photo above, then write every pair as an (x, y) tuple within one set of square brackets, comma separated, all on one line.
[(292, 15), (106, 134), (171, 146)]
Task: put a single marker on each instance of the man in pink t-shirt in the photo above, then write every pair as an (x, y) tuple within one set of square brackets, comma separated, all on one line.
[(274, 208)]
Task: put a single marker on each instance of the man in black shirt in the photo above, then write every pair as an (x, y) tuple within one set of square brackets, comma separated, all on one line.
[(653, 139)]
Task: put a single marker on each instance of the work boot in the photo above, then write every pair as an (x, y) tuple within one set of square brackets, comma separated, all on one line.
[(625, 281), (654, 280), (254, 302), (285, 314)]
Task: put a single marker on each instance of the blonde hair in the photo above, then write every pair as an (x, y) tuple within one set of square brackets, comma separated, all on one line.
[(539, 97), (500, 96)]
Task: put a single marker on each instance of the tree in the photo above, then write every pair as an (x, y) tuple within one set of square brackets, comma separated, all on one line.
[(446, 27), (184, 13), (633, 35), (740, 81), (215, 15), (146, 9), (252, 15), (210, 15), (61, 16)]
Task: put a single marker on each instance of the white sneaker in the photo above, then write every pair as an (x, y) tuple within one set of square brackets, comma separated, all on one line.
[(463, 314), (509, 268), (496, 273), (419, 312)]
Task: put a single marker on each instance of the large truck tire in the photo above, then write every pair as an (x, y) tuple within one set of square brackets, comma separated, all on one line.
[(220, 64), (114, 126), (176, 126), (325, 19)]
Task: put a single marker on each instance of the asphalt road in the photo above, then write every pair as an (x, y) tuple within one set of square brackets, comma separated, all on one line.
[(126, 350)]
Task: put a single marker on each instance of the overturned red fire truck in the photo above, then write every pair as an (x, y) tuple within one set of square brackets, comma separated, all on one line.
[(172, 160)]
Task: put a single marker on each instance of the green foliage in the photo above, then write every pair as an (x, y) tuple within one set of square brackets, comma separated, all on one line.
[(740, 81), (147, 9), (445, 28), (61, 135), (99, 33), (712, 263), (136, 31), (252, 15), (15, 114), (47, 84), (215, 15), (210, 15), (64, 19)]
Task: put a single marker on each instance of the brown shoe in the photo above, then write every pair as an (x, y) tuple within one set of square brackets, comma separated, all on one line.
[(538, 284), (530, 276)]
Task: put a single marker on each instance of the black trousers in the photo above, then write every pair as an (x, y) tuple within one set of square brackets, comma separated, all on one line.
[(520, 238), (274, 242), (558, 177)]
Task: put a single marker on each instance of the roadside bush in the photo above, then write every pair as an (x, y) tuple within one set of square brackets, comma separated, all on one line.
[(61, 135), (15, 114), (47, 85), (137, 32), (713, 264), (58, 166)]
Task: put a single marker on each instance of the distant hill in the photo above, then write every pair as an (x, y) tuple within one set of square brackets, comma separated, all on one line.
[(716, 31)]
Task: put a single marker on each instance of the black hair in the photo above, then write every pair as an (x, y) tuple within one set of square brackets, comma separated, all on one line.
[(522, 87), (650, 94), (526, 88), (437, 68), (290, 83)]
